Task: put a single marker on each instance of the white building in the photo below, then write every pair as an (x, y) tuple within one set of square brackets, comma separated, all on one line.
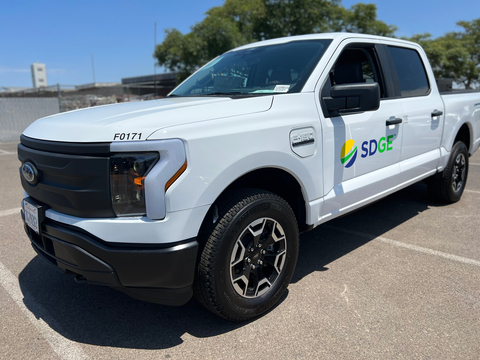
[(39, 75)]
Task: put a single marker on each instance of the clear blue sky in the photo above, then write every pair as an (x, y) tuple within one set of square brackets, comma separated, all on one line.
[(120, 34)]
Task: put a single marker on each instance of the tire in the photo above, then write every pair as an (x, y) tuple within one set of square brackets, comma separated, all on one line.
[(249, 256), (448, 185)]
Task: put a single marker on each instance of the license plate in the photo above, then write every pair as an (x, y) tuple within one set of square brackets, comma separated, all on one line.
[(31, 216)]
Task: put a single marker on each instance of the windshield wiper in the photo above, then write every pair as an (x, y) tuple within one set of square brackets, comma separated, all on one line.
[(234, 93), (224, 93)]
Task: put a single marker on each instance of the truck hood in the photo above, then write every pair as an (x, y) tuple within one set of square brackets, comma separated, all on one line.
[(105, 123)]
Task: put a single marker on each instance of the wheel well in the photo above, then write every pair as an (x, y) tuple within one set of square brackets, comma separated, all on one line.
[(276, 181), (464, 136)]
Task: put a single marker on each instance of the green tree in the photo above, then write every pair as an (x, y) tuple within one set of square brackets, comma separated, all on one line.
[(224, 28), (239, 22), (470, 39), (456, 54), (180, 53), (298, 17), (362, 18)]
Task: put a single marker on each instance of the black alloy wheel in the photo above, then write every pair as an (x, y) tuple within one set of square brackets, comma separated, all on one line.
[(448, 186), (249, 255)]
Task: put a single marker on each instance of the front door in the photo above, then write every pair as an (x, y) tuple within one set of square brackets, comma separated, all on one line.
[(362, 149)]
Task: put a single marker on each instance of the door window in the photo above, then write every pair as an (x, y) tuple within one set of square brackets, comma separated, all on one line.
[(411, 72), (356, 65)]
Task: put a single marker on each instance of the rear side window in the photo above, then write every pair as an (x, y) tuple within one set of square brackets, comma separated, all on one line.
[(411, 72)]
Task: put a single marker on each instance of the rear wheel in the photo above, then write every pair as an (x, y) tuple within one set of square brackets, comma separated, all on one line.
[(448, 185), (249, 256)]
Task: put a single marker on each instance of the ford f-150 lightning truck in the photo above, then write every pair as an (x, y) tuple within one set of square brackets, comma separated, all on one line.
[(206, 191)]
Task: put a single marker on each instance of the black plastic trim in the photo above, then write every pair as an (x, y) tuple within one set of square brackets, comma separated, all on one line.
[(388, 71), (154, 267), (161, 274), (89, 149)]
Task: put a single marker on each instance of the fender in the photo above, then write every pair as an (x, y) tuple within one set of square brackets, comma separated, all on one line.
[(277, 160)]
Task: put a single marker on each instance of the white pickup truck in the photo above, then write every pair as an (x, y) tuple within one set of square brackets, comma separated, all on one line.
[(205, 192)]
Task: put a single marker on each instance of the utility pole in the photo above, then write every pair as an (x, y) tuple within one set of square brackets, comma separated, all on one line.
[(93, 70), (154, 60)]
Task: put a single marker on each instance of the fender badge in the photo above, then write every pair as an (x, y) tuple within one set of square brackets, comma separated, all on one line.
[(302, 138)]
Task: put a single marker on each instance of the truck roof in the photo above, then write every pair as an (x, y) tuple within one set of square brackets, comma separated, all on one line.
[(339, 36)]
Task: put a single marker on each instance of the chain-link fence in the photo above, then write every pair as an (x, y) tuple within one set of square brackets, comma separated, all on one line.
[(19, 108), (16, 114)]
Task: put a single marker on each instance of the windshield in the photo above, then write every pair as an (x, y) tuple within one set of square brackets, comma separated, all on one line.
[(282, 68)]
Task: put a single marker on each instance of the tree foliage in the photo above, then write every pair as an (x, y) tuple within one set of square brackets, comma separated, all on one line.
[(239, 22), (362, 18), (470, 39), (455, 55)]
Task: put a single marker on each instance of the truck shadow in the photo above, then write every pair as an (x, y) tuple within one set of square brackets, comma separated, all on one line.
[(338, 237), (102, 316)]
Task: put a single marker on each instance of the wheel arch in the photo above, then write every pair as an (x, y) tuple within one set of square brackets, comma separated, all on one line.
[(464, 134), (284, 185)]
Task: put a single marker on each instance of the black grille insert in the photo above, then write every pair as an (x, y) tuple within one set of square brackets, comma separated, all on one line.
[(77, 185)]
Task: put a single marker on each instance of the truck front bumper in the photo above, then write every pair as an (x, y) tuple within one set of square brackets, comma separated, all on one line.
[(160, 273)]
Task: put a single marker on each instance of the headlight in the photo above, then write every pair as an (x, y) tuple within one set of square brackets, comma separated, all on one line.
[(161, 161), (127, 175)]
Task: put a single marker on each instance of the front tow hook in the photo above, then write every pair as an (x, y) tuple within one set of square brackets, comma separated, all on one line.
[(80, 279)]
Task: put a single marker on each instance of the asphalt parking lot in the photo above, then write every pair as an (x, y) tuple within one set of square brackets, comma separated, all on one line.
[(397, 280)]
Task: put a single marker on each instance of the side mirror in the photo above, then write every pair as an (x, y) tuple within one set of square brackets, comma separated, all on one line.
[(350, 98)]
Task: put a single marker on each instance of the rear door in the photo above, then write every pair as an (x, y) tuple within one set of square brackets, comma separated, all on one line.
[(422, 107)]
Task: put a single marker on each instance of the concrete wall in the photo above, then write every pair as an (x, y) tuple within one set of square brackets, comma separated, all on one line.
[(17, 113)]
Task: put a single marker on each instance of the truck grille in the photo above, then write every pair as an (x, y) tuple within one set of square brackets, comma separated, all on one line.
[(74, 178)]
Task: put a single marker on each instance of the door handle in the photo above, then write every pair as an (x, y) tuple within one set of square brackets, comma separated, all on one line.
[(393, 121), (437, 113)]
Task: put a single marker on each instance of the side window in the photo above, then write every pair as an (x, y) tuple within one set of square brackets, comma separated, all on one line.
[(411, 73), (356, 65)]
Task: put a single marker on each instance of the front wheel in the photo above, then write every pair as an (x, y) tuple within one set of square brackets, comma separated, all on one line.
[(249, 256), (448, 185)]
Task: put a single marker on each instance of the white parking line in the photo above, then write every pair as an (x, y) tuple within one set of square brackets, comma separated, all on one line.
[(411, 247), (65, 348), (474, 164), (3, 152), (10, 212), (472, 191)]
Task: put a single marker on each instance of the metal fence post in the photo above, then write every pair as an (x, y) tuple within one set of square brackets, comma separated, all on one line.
[(59, 98)]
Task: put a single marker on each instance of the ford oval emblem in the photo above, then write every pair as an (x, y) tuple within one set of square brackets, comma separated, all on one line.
[(30, 173)]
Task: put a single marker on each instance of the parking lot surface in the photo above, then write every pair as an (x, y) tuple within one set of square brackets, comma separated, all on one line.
[(396, 280)]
